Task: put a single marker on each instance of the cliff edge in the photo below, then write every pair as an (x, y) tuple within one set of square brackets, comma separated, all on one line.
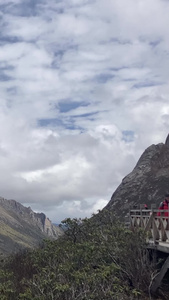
[(21, 227), (147, 183)]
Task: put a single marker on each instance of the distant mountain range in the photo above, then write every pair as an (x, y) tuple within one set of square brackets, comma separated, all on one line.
[(21, 227)]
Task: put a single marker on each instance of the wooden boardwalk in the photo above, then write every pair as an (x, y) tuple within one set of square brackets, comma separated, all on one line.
[(157, 230), (157, 227)]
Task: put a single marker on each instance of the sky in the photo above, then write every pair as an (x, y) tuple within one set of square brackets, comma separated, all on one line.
[(84, 90)]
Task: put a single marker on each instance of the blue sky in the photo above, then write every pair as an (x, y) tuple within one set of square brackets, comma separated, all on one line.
[(84, 90)]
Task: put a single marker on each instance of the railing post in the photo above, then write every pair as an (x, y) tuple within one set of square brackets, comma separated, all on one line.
[(156, 234)]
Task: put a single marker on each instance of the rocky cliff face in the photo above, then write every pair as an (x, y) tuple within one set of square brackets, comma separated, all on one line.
[(20, 227), (147, 183)]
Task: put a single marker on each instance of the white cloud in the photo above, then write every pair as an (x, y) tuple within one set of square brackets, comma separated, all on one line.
[(80, 84)]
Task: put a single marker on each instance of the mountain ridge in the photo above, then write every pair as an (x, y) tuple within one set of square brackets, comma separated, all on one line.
[(21, 227)]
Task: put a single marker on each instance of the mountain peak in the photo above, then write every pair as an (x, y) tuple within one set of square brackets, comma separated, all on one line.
[(167, 140), (21, 227), (147, 183)]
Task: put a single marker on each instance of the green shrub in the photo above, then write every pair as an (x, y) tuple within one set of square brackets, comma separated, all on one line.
[(97, 258)]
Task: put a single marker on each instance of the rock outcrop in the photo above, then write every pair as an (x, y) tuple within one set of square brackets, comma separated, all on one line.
[(147, 183), (21, 227)]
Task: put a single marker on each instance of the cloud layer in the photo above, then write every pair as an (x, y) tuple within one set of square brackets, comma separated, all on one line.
[(83, 91)]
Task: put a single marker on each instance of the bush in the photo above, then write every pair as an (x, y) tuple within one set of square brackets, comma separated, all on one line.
[(97, 258)]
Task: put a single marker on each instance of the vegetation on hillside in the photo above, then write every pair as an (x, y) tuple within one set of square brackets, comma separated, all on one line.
[(97, 258)]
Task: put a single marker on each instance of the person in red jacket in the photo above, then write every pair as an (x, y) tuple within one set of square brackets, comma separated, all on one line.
[(164, 205)]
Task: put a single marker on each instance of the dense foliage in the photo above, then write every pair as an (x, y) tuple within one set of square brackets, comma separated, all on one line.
[(97, 258)]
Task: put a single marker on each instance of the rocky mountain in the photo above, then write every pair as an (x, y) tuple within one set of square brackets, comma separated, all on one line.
[(20, 227), (147, 183)]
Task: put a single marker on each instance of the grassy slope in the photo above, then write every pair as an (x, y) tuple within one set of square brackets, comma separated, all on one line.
[(16, 233)]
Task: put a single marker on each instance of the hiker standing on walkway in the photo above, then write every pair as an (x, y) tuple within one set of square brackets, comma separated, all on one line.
[(164, 205)]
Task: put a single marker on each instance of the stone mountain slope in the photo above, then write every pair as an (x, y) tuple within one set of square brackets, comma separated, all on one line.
[(20, 227), (147, 183)]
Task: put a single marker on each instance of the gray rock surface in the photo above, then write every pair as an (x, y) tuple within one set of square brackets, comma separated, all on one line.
[(167, 140), (20, 227), (146, 184)]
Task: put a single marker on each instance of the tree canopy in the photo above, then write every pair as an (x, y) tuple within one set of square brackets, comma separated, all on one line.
[(97, 258)]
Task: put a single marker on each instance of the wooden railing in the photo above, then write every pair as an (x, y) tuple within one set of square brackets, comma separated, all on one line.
[(157, 237), (157, 226)]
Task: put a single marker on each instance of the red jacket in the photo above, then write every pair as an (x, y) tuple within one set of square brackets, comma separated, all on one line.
[(164, 206)]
